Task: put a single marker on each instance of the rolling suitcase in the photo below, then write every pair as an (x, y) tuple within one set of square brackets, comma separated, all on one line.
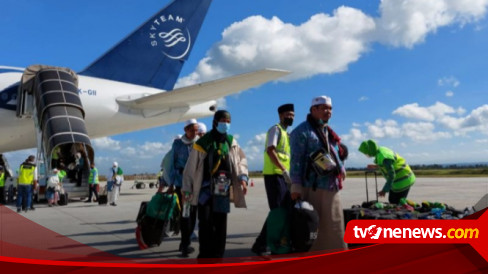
[(142, 212), (63, 199), (102, 197), (155, 219)]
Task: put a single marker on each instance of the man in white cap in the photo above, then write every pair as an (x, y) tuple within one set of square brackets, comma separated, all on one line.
[(202, 129), (53, 187), (173, 176), (317, 172), (117, 179)]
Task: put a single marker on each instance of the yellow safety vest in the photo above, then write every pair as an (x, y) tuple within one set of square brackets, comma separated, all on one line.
[(26, 174), (283, 152), (404, 176), (93, 174), (2, 180)]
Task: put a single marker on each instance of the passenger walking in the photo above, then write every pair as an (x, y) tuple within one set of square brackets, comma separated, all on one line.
[(398, 174), (80, 165), (180, 151), (117, 180), (276, 169), (27, 180), (317, 172), (92, 183), (216, 167), (53, 188)]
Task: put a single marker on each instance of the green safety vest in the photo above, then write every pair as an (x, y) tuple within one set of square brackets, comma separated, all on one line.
[(26, 174), (2, 180), (61, 175), (93, 179), (283, 151), (404, 176)]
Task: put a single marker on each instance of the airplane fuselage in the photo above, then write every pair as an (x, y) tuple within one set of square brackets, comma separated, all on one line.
[(104, 116)]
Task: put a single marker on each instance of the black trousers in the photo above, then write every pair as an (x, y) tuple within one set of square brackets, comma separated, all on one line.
[(92, 190), (278, 196), (187, 225), (212, 231), (394, 197), (79, 176), (2, 195)]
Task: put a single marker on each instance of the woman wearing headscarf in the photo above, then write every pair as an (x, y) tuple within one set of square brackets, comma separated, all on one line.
[(215, 164)]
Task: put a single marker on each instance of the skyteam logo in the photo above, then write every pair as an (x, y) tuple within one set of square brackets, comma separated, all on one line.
[(169, 34)]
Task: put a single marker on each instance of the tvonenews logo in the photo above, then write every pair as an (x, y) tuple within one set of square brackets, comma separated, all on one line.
[(168, 33), (473, 232), (375, 232)]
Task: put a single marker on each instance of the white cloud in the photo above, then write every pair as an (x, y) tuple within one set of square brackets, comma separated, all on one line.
[(106, 143), (328, 43), (384, 129), (414, 111), (254, 150), (363, 98), (450, 81), (477, 118), (423, 131), (324, 44), (408, 22), (354, 138), (449, 93)]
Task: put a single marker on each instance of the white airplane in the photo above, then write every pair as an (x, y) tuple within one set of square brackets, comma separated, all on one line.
[(128, 88)]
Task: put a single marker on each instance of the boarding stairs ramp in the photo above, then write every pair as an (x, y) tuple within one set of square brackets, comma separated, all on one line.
[(49, 95)]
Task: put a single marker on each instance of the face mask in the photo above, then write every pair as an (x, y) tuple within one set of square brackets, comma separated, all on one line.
[(288, 122), (223, 127)]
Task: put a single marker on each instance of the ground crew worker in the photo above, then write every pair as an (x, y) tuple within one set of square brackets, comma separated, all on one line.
[(276, 169), (92, 183), (2, 185), (61, 172), (398, 174), (26, 181), (173, 175)]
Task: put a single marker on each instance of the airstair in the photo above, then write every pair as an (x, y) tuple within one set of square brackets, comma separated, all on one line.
[(49, 95)]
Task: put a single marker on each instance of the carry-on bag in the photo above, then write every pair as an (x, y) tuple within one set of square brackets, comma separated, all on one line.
[(304, 226)]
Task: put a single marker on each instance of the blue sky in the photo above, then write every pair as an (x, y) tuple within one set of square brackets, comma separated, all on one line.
[(410, 74)]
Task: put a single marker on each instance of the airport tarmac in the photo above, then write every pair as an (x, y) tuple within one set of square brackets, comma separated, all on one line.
[(111, 228)]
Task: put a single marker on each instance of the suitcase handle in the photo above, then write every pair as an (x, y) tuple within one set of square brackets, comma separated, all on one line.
[(376, 183)]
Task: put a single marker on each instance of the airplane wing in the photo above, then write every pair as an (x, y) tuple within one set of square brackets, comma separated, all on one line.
[(204, 92)]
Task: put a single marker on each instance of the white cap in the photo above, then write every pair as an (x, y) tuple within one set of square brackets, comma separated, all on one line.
[(55, 170), (202, 128), (321, 100), (116, 164), (191, 122)]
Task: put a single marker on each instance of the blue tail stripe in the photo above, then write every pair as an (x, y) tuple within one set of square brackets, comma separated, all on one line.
[(154, 54)]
